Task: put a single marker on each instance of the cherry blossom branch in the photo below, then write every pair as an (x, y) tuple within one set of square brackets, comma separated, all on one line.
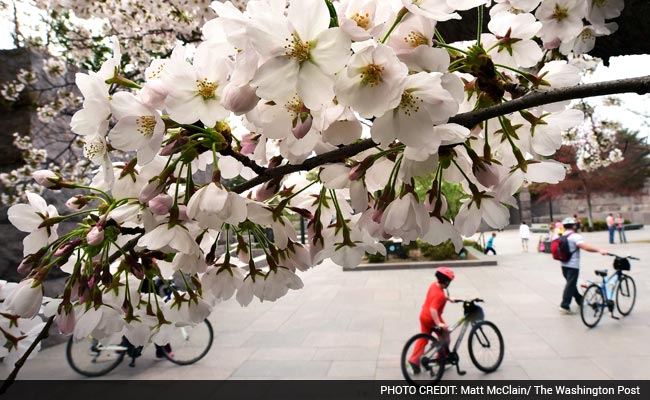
[(632, 85), (228, 151), (19, 364), (639, 86)]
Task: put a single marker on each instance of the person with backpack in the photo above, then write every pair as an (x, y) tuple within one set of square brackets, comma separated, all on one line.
[(566, 249)]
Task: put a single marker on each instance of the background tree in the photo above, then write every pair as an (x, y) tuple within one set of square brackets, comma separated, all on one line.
[(624, 169)]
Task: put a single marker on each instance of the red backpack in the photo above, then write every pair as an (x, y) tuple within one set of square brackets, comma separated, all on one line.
[(560, 248)]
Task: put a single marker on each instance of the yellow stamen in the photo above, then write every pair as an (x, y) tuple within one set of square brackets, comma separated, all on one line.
[(296, 48), (363, 21), (372, 75), (409, 103), (416, 39), (206, 89), (146, 125)]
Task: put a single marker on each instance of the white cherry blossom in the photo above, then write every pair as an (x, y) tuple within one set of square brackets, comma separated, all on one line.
[(300, 53), (29, 217), (139, 128), (373, 81)]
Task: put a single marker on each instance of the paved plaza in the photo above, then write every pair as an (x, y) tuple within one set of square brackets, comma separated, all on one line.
[(352, 325)]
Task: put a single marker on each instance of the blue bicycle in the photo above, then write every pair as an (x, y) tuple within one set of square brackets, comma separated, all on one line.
[(618, 290)]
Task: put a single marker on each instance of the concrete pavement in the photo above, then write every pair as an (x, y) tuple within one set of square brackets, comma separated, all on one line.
[(352, 325)]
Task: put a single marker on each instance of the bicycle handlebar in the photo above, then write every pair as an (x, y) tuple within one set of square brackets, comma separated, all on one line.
[(617, 256), (475, 300)]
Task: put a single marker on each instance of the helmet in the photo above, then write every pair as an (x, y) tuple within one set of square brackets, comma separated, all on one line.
[(445, 273), (569, 221)]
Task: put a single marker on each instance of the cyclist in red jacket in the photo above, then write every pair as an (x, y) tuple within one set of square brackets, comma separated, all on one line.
[(431, 314)]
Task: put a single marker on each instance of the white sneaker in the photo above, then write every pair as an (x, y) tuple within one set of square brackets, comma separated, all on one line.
[(566, 311)]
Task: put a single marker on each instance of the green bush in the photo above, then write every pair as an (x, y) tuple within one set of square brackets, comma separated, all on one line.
[(474, 244), (375, 258), (599, 226), (443, 251)]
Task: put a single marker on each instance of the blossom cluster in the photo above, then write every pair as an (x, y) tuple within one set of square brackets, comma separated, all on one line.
[(212, 132)]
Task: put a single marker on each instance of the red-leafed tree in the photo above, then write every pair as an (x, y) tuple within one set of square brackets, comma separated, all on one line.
[(597, 173)]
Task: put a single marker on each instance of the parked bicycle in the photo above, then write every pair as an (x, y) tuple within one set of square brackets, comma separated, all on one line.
[(92, 357), (485, 345), (618, 290)]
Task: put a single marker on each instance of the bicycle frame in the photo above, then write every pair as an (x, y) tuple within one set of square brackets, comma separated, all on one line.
[(462, 323), (612, 280)]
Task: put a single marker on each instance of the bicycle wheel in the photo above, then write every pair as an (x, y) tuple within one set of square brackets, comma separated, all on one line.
[(593, 304), (92, 357), (189, 344), (485, 346), (625, 295), (430, 368)]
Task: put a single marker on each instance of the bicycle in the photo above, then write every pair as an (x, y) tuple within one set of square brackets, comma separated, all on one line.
[(618, 290), (92, 357), (485, 345)]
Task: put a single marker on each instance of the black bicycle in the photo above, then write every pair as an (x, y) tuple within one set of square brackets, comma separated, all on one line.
[(618, 290), (90, 356), (485, 345)]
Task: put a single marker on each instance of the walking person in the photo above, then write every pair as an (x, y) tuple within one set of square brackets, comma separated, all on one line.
[(431, 314), (490, 244), (611, 226), (619, 221), (571, 268), (524, 234), (578, 223)]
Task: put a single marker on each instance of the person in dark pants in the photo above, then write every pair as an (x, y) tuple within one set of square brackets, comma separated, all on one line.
[(571, 268), (490, 244)]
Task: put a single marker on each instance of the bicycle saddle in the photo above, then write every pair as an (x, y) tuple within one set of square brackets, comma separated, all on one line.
[(601, 272)]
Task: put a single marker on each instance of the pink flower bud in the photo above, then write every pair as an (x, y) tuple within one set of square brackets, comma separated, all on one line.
[(239, 99), (150, 190), (161, 204), (46, 178), (66, 321), (174, 146), (182, 213), (356, 172), (78, 202), (67, 248), (266, 191), (95, 235), (302, 125), (249, 143), (25, 266)]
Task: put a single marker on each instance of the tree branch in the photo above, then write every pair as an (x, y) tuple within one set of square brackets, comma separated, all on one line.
[(19, 364), (633, 85)]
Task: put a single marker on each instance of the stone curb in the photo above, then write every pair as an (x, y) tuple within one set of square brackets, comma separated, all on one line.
[(480, 261)]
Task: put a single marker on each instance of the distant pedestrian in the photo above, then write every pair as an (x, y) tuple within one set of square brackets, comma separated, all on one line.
[(611, 226), (578, 223), (490, 244), (524, 234), (619, 221)]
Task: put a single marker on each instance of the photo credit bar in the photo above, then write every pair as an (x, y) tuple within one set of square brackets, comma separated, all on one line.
[(418, 390)]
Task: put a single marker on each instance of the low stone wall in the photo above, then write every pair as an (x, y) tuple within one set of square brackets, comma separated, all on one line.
[(635, 208)]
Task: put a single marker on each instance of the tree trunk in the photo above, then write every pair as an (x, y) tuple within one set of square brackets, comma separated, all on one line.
[(589, 216)]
